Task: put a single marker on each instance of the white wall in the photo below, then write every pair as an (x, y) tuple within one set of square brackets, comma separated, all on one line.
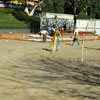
[(89, 25)]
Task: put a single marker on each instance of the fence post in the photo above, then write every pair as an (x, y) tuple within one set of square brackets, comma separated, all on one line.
[(94, 26)]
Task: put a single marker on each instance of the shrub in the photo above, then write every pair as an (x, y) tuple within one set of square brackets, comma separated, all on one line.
[(34, 23), (97, 14), (82, 15), (20, 15)]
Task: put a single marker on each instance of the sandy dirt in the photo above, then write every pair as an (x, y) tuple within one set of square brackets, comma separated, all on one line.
[(28, 71)]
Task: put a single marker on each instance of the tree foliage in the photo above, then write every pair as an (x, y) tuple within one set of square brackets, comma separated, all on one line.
[(54, 6), (89, 7)]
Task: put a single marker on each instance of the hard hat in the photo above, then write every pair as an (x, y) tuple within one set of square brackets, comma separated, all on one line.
[(75, 26)]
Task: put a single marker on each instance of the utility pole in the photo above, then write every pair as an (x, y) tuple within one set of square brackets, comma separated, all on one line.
[(55, 17), (74, 9)]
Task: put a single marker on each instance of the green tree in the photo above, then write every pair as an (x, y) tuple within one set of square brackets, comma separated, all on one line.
[(68, 7), (47, 6), (88, 7), (95, 9), (54, 6)]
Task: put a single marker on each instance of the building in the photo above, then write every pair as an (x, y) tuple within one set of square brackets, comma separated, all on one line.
[(17, 5)]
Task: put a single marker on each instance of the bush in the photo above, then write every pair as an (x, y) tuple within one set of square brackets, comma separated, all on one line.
[(82, 15), (97, 14), (20, 15), (34, 23)]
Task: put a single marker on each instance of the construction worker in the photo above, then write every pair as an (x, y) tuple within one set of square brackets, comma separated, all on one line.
[(44, 33), (75, 36), (53, 30), (55, 39), (56, 36)]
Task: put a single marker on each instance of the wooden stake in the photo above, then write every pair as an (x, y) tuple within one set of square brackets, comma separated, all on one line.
[(82, 51), (82, 58)]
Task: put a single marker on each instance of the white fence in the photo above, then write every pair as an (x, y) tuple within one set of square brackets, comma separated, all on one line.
[(89, 25)]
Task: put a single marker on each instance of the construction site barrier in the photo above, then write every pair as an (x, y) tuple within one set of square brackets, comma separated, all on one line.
[(24, 37), (14, 36)]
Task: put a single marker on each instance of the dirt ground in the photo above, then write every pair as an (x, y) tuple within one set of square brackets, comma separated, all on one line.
[(28, 71)]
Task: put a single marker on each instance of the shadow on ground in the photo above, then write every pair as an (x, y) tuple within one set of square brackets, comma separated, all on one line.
[(66, 76), (60, 76)]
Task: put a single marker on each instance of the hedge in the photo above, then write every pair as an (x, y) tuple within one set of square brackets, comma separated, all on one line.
[(32, 21)]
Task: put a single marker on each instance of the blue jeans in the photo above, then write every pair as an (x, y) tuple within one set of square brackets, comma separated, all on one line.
[(76, 41), (57, 43)]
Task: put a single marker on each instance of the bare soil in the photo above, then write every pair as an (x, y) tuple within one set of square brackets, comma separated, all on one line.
[(29, 71)]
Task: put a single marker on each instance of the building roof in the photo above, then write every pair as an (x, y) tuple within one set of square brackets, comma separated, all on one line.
[(63, 16), (29, 2)]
